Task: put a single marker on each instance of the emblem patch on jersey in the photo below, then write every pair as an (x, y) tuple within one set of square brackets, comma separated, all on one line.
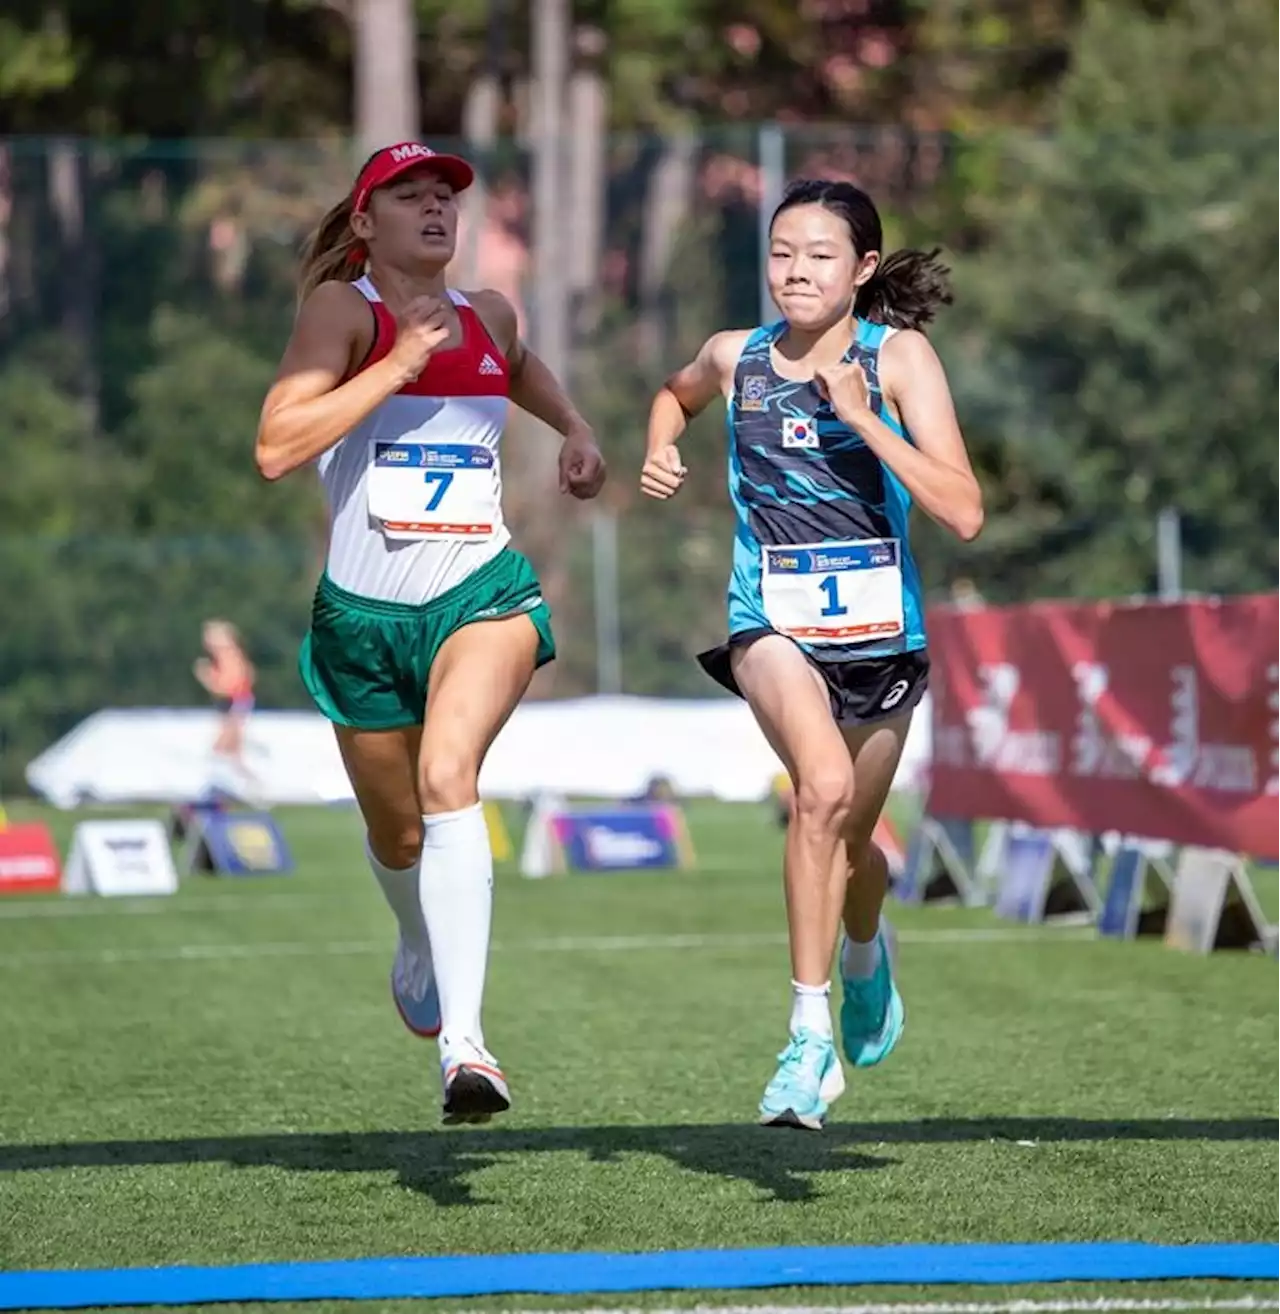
[(799, 433), (754, 388), (489, 365)]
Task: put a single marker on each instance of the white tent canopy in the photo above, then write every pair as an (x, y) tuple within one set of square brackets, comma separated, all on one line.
[(591, 747)]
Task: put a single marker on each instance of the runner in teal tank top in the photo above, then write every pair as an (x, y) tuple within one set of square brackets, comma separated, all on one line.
[(839, 420)]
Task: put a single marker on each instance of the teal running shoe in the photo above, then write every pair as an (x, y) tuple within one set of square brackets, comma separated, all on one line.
[(872, 1016), (808, 1081)]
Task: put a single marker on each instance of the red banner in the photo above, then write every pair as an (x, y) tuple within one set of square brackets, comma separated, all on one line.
[(28, 859), (1152, 719)]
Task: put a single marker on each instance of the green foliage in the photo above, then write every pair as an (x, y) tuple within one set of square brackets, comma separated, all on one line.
[(195, 413), (281, 68), (674, 556), (54, 476), (1112, 348), (1113, 351), (988, 62), (132, 511), (672, 58), (112, 554), (171, 68), (34, 60)]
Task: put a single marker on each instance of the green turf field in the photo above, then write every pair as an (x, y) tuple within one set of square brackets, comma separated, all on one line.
[(221, 1077)]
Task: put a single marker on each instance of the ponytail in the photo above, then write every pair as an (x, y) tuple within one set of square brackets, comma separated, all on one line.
[(332, 252), (906, 291)]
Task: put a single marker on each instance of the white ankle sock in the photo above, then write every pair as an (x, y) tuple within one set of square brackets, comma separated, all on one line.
[(455, 887), (400, 888), (858, 961), (811, 1008)]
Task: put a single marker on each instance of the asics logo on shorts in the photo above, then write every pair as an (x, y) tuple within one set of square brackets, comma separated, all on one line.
[(489, 366), (898, 690)]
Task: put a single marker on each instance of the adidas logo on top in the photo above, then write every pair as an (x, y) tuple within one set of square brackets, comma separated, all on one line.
[(489, 365)]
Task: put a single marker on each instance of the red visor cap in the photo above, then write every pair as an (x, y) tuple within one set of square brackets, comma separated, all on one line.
[(392, 161)]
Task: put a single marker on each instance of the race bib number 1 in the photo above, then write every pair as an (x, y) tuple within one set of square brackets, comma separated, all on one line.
[(834, 592), (433, 490)]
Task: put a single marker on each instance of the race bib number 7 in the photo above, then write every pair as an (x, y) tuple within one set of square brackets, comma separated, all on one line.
[(834, 592), (433, 490)]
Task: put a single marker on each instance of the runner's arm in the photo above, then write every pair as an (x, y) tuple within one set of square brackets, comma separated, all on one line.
[(934, 468), (309, 407), (533, 387), (692, 389), (204, 672)]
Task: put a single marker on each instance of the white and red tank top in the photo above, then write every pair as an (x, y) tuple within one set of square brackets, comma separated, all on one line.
[(415, 489)]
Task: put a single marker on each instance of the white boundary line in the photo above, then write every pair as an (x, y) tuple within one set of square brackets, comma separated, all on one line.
[(586, 944), (1102, 1305), (76, 906)]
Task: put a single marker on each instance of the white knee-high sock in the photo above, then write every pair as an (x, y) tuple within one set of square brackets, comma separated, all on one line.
[(455, 888), (400, 889)]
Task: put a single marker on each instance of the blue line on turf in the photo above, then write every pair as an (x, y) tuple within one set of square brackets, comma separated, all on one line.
[(582, 1274)]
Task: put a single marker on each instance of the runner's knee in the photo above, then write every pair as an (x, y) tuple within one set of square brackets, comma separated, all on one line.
[(824, 797), (447, 780), (396, 844)]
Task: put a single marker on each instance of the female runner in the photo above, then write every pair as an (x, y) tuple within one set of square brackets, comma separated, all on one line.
[(228, 674), (839, 417), (427, 626)]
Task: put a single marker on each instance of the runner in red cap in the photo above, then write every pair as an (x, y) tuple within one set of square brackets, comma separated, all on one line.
[(427, 626)]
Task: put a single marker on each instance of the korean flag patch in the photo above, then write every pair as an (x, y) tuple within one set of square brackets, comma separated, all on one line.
[(799, 434)]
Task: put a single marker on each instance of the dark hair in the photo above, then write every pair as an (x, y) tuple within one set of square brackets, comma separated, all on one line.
[(908, 287)]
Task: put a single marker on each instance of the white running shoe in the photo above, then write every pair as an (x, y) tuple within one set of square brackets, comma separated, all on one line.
[(474, 1087)]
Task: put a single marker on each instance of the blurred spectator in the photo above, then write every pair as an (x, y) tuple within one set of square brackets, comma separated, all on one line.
[(228, 675)]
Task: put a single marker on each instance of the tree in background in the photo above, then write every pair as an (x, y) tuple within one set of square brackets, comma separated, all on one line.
[(1113, 348)]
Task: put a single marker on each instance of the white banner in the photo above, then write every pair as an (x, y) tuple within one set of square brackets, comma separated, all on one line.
[(114, 858)]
